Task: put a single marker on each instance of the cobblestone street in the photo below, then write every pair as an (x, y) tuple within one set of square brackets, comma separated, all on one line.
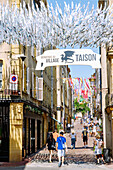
[(79, 158), (78, 155)]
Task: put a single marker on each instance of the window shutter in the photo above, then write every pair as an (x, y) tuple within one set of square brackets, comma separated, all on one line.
[(37, 87), (40, 89), (32, 84), (28, 87), (32, 51), (25, 77)]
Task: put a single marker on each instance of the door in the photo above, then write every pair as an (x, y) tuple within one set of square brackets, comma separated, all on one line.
[(38, 134), (4, 133), (32, 135)]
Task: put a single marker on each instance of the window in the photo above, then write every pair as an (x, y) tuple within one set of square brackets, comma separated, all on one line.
[(32, 51), (1, 64), (24, 49)]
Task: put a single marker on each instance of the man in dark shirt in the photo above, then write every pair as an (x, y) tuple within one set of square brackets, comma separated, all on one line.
[(85, 136)]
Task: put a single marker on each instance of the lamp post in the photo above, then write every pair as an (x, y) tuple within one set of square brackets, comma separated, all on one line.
[(63, 99), (23, 57)]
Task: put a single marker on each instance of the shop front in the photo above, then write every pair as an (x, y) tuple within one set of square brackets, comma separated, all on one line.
[(31, 130)]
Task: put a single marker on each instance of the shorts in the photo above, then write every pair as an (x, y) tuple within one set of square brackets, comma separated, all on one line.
[(85, 139), (61, 152), (99, 156)]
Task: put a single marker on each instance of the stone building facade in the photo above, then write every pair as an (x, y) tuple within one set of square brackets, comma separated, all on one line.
[(107, 89), (28, 100)]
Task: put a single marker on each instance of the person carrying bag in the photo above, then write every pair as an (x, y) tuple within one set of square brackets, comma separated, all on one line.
[(51, 145), (61, 146)]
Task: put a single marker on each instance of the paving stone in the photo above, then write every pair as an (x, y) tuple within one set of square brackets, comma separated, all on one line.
[(77, 155)]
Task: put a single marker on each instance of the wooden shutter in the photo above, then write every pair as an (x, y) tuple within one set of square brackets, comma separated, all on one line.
[(32, 51), (27, 84), (40, 89), (25, 77), (32, 84), (37, 87)]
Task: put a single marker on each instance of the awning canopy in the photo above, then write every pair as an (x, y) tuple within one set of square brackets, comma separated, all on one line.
[(56, 120)]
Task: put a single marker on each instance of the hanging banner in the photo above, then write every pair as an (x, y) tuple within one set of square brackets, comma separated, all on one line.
[(68, 57)]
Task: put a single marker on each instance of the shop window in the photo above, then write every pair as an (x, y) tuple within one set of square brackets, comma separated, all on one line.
[(1, 64)]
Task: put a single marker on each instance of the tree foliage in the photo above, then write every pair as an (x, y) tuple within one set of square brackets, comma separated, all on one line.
[(81, 107)]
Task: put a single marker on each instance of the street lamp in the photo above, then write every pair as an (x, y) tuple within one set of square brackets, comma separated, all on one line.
[(23, 57), (63, 98)]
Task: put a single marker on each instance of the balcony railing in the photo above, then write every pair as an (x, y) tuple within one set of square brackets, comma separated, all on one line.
[(9, 94)]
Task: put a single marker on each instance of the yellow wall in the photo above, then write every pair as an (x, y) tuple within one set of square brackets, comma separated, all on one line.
[(15, 137)]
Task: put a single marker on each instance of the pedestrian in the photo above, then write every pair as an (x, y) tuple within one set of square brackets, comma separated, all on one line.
[(51, 145), (81, 121), (86, 126), (73, 137), (90, 129), (68, 128), (61, 146), (55, 135), (98, 147), (94, 129), (85, 136)]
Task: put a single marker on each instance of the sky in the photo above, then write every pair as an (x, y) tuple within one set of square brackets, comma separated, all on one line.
[(79, 71)]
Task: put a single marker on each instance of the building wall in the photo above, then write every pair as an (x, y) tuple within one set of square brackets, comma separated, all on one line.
[(16, 122), (12, 64)]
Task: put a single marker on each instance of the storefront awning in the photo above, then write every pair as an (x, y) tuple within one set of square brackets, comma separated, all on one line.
[(56, 120)]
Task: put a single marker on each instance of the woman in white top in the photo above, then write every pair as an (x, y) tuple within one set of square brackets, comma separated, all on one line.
[(73, 139), (94, 129)]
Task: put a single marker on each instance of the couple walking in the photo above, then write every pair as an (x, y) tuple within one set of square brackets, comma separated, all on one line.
[(58, 145)]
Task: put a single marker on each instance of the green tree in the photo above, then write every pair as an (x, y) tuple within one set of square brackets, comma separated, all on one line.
[(81, 106)]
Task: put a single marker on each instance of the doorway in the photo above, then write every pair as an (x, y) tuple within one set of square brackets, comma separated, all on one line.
[(4, 133), (38, 134), (32, 135)]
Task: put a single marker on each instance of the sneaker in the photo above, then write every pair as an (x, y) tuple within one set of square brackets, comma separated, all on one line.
[(59, 165), (63, 164)]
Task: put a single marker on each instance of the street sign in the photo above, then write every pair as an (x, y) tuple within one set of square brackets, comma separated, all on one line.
[(14, 79)]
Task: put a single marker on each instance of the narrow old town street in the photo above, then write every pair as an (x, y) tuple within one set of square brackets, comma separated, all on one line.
[(79, 158), (77, 155)]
